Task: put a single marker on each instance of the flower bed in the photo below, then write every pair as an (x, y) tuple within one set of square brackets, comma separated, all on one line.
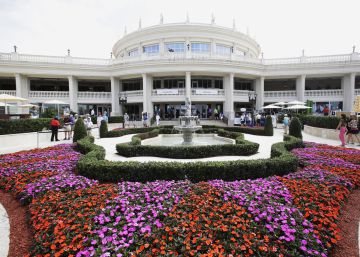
[(293, 215)]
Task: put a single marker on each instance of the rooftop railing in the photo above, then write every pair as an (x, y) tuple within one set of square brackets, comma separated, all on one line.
[(16, 57)]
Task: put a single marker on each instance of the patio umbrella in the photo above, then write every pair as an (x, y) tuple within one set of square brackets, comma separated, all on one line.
[(296, 102), (271, 106), (10, 98), (297, 107), (55, 102), (280, 103), (28, 106)]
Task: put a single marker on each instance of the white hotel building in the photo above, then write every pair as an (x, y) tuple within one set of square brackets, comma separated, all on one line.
[(157, 67)]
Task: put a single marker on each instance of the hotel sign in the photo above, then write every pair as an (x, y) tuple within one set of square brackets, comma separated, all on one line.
[(167, 91), (206, 92)]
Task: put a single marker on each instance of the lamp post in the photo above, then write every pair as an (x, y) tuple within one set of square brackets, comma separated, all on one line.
[(122, 101), (252, 100)]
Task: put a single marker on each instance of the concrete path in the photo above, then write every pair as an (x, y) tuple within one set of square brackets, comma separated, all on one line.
[(264, 149), (4, 232)]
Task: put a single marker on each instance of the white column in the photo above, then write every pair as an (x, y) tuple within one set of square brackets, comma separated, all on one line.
[(73, 91), (300, 88), (22, 85), (259, 90), (147, 86), (115, 89), (188, 85), (229, 97), (348, 85), (22, 90)]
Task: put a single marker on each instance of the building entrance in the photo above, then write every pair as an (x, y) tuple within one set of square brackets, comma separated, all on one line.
[(202, 110)]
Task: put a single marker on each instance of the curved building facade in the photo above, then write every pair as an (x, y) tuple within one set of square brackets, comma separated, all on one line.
[(155, 68)]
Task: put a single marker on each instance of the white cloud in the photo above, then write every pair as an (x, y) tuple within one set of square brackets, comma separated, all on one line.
[(90, 27)]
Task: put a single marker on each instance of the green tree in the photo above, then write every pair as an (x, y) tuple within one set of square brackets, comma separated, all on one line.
[(269, 130), (295, 128), (79, 130)]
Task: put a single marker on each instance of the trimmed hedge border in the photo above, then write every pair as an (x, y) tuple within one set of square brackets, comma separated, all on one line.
[(167, 130), (134, 148), (93, 165), (23, 125)]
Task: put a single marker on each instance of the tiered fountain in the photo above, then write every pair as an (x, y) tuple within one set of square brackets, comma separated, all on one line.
[(187, 129)]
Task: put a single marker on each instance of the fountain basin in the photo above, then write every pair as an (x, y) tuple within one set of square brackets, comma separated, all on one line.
[(177, 140)]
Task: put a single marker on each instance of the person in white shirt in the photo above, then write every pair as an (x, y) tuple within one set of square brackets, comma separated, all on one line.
[(157, 119), (126, 120), (99, 119)]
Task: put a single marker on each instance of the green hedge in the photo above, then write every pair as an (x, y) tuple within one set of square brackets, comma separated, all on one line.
[(134, 148), (116, 119), (23, 125), (93, 165), (168, 130), (328, 122)]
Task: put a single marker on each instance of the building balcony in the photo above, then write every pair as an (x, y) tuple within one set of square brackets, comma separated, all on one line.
[(279, 96), (242, 95), (135, 96), (8, 92), (94, 95), (46, 95), (326, 95), (165, 56)]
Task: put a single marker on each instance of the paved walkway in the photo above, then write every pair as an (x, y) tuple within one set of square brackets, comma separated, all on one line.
[(264, 149), (4, 232)]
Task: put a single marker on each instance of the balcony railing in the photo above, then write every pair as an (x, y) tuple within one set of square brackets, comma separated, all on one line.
[(279, 94), (48, 94), (170, 91), (207, 91), (131, 93), (242, 93), (357, 91), (102, 95), (322, 93), (8, 92), (15, 57)]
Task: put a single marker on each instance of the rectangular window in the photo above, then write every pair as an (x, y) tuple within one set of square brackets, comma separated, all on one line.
[(223, 50), (219, 83), (156, 84), (151, 49), (133, 52), (200, 47), (175, 47)]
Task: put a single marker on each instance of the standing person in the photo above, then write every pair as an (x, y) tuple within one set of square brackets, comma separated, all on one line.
[(273, 119), (89, 125), (92, 112), (326, 111), (126, 120), (342, 126), (258, 118), (99, 119), (67, 127), (157, 119), (55, 124), (286, 123), (144, 119), (105, 118), (354, 131), (216, 114), (72, 124)]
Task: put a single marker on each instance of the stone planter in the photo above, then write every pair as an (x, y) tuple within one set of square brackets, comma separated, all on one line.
[(322, 132)]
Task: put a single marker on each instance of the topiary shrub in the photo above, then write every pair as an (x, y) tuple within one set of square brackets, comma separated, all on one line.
[(103, 129), (269, 130), (295, 128), (79, 130)]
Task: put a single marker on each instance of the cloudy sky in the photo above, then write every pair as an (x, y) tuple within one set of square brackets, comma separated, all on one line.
[(90, 27)]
